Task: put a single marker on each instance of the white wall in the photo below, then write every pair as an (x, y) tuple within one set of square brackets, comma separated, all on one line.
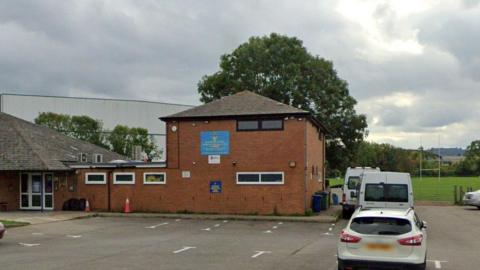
[(110, 111)]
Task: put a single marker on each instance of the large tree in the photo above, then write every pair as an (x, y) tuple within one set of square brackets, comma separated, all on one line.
[(280, 67)]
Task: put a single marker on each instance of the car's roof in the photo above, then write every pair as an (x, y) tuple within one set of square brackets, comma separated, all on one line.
[(382, 212)]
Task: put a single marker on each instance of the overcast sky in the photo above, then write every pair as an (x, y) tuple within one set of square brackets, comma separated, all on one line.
[(413, 66)]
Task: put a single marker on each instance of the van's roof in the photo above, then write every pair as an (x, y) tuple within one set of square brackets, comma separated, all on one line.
[(382, 212), (386, 173)]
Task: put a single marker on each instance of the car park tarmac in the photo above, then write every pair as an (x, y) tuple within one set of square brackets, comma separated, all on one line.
[(152, 243)]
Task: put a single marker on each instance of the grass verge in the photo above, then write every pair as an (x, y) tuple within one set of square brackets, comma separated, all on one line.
[(11, 223)]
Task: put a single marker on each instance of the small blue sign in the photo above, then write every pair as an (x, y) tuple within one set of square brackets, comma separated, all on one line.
[(215, 143), (215, 186)]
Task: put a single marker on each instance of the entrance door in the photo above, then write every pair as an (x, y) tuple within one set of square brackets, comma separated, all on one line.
[(36, 191)]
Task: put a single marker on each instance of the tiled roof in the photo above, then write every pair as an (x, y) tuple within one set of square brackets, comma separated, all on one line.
[(27, 146), (240, 104)]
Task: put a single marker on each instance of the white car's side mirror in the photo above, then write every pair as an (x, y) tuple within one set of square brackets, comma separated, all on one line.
[(424, 225)]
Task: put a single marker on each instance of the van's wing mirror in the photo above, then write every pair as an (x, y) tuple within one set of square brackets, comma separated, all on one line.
[(353, 194), (424, 225)]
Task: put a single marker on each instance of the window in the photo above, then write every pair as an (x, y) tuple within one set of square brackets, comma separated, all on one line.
[(265, 124), (381, 225), (272, 124), (124, 178), (152, 178), (260, 178), (97, 158), (386, 192), (353, 181), (248, 125), (95, 178)]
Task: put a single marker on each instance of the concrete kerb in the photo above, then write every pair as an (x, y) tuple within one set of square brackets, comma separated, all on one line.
[(311, 219)]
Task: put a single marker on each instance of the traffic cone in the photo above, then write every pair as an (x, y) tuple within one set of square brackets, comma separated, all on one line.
[(87, 206), (127, 206)]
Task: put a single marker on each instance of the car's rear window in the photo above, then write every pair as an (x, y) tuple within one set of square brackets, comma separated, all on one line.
[(380, 225), (386, 192), (353, 181)]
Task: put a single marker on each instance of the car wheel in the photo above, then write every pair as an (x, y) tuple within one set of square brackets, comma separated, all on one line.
[(340, 265), (478, 207)]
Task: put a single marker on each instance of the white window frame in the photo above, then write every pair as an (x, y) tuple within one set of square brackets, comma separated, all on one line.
[(123, 182), (95, 182), (260, 178), (154, 183)]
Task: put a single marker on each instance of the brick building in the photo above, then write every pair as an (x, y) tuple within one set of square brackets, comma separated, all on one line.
[(241, 154)]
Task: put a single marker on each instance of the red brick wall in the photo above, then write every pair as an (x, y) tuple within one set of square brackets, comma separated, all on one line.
[(10, 189), (257, 151), (315, 161), (253, 151)]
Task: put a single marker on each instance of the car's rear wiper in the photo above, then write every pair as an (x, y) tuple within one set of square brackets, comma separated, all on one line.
[(388, 233)]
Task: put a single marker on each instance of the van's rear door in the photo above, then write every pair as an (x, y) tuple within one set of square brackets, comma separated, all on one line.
[(374, 190), (398, 190)]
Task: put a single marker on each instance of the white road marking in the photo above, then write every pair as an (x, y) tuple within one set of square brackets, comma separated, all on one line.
[(438, 264), (207, 229), (327, 233), (28, 245), (216, 225), (267, 231), (177, 220), (155, 226), (260, 252), (330, 229), (73, 236), (274, 227), (225, 221), (183, 249), (280, 223), (333, 224), (37, 233)]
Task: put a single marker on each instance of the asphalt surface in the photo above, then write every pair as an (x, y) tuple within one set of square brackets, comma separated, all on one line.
[(151, 243)]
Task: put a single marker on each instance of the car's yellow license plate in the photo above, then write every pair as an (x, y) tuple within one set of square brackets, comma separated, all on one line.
[(379, 247)]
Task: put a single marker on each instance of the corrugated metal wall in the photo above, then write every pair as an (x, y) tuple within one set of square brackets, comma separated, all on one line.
[(111, 112)]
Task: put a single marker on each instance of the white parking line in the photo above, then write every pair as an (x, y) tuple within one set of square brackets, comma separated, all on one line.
[(330, 229), (280, 223), (183, 249), (37, 233), (216, 225), (73, 236), (177, 220), (260, 252), (274, 227), (267, 231), (438, 264), (207, 229), (225, 221), (155, 226), (28, 245)]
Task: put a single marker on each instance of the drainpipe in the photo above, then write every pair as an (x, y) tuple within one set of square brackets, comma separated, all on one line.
[(109, 175), (306, 164)]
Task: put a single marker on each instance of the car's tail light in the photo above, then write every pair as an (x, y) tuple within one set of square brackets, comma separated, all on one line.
[(344, 197), (411, 241), (348, 238)]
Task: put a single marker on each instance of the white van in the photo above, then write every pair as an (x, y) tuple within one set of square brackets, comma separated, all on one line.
[(353, 178), (386, 190)]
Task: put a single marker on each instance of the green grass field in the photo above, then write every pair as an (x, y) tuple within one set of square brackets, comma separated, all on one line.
[(11, 223), (433, 189)]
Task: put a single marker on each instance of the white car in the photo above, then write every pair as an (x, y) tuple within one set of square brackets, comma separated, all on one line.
[(394, 238), (472, 198), (2, 230)]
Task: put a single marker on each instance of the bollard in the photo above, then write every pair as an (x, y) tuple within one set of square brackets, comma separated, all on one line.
[(455, 198)]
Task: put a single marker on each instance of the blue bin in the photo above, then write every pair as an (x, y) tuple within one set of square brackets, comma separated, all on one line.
[(335, 199), (317, 203)]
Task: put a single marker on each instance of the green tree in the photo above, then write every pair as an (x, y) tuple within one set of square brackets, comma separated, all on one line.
[(123, 139), (58, 122), (79, 127), (280, 67), (471, 164)]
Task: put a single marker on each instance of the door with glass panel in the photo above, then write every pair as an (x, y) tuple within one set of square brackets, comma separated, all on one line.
[(36, 190)]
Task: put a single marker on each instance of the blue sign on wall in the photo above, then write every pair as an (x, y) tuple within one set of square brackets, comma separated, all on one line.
[(215, 186), (215, 143)]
